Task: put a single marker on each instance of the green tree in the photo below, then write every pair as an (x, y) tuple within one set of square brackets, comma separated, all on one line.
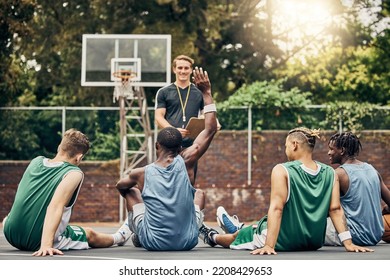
[(235, 41), (275, 107), (348, 116), (15, 18), (341, 75), (354, 65), (235, 45)]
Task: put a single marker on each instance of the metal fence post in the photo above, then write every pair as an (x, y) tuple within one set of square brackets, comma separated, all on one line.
[(249, 145), (63, 120)]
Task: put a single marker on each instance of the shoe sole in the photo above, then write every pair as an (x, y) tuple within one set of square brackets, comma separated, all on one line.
[(220, 224)]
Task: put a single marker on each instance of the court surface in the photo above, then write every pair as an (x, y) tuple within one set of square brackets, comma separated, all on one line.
[(200, 252)]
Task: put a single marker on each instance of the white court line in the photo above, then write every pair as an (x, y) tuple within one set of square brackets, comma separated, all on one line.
[(66, 256)]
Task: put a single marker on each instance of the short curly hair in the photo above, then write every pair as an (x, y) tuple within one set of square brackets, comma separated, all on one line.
[(170, 138)]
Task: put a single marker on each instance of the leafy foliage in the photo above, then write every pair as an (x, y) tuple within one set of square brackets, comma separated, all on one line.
[(106, 146), (343, 75), (20, 138), (235, 41), (278, 108), (348, 116)]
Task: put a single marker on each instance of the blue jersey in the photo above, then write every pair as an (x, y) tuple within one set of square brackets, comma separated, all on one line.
[(170, 221), (362, 204)]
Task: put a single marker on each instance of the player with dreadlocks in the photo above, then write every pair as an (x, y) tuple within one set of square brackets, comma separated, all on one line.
[(361, 191)]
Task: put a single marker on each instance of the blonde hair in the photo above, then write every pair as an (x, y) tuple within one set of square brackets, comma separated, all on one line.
[(305, 135), (74, 142), (182, 57)]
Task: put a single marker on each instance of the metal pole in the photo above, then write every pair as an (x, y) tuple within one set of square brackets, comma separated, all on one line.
[(63, 120), (249, 145), (123, 148)]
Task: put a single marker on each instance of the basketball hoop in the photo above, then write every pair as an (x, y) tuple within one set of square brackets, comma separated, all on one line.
[(124, 88)]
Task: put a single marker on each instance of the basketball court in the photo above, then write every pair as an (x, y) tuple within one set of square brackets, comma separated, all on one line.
[(200, 252), (126, 64), (204, 262)]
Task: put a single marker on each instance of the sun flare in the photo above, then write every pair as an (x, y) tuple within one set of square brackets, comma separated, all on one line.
[(299, 21), (307, 17)]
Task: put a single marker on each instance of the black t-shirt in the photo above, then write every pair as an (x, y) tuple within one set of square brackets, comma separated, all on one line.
[(168, 98)]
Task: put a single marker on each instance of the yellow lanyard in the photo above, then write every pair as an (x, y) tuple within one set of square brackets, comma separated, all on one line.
[(183, 106)]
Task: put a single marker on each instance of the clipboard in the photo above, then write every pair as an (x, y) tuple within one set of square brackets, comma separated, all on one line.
[(195, 126)]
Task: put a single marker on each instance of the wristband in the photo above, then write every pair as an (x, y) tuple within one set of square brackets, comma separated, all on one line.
[(209, 108), (344, 236)]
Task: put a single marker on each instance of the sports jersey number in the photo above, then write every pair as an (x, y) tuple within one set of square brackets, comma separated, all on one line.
[(76, 230)]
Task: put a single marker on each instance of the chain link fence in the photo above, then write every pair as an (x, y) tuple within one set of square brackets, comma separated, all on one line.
[(26, 132)]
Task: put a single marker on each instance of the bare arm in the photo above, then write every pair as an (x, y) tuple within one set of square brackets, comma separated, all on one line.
[(339, 221), (61, 198), (135, 178), (279, 193), (159, 115), (343, 180), (336, 213), (203, 140)]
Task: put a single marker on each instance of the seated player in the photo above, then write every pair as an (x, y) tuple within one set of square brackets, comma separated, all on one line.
[(39, 217), (165, 210), (303, 193), (361, 190)]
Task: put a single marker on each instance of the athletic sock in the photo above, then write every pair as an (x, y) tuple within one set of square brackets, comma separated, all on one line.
[(122, 235), (117, 238), (214, 237)]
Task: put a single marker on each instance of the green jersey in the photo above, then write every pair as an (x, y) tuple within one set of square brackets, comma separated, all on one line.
[(24, 224), (304, 215)]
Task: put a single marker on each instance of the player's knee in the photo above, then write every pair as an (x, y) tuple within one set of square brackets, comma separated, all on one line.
[(200, 193), (91, 235), (200, 198), (133, 197)]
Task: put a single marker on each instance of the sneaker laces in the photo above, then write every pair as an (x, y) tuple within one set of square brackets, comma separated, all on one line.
[(203, 231), (206, 233)]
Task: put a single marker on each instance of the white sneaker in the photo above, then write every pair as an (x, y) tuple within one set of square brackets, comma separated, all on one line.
[(229, 224), (126, 233)]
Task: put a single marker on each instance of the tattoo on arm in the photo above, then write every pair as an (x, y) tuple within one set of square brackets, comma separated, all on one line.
[(345, 223)]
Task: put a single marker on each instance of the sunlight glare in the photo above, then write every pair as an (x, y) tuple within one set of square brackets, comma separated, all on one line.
[(297, 22), (303, 18)]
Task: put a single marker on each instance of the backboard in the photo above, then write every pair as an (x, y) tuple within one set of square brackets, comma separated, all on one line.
[(147, 55)]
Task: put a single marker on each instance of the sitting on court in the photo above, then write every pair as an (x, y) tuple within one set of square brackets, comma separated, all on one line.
[(303, 193), (39, 217), (361, 191), (165, 210)]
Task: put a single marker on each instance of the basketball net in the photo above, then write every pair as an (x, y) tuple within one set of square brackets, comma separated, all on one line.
[(124, 87)]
